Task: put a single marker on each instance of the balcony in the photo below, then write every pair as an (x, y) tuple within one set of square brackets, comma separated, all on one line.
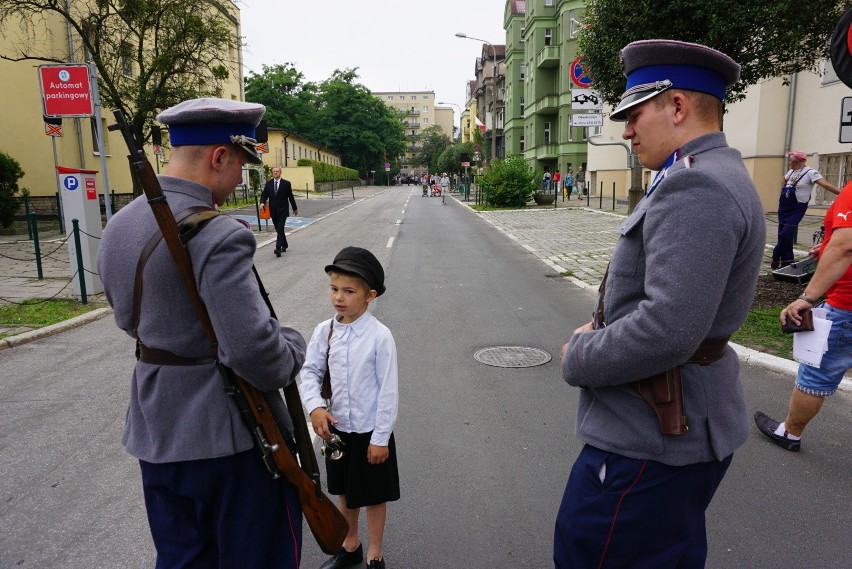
[(414, 124), (547, 152), (548, 105), (412, 113), (547, 57)]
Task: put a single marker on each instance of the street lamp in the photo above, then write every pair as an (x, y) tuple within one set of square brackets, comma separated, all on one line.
[(460, 113), (493, 91)]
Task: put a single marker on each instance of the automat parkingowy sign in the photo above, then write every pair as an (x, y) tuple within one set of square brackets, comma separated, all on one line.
[(66, 90)]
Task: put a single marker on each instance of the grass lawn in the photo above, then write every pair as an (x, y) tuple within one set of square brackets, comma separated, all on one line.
[(762, 332), (36, 313)]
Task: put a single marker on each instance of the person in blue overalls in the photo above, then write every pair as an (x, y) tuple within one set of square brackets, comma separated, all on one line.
[(793, 203)]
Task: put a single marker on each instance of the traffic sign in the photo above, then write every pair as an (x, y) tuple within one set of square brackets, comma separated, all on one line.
[(846, 120), (587, 119), (53, 129), (586, 99), (65, 90), (579, 73), (841, 49)]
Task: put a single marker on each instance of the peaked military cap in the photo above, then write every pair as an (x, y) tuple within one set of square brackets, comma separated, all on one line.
[(214, 121), (653, 66)]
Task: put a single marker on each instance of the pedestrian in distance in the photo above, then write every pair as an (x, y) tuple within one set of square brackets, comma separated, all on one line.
[(580, 182), (445, 187), (279, 193), (796, 192), (557, 178), (569, 183), (833, 278), (546, 181), (209, 498), (661, 407), (356, 356)]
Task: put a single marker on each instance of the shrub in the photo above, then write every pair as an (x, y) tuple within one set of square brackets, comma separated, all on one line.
[(10, 173), (324, 172), (509, 182)]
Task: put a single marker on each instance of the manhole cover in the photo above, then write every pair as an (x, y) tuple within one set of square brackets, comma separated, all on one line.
[(512, 356)]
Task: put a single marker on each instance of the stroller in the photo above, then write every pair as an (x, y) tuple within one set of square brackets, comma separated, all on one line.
[(436, 189)]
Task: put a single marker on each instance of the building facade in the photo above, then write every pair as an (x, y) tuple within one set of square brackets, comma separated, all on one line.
[(23, 131), (419, 112)]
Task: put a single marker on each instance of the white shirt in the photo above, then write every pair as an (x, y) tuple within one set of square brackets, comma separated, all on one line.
[(804, 180), (364, 381)]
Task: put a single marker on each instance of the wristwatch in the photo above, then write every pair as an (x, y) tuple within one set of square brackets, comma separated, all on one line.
[(807, 299)]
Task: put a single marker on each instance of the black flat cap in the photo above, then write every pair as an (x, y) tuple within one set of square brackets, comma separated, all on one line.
[(653, 66), (360, 262)]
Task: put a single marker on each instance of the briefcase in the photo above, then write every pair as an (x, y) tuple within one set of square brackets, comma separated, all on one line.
[(799, 272)]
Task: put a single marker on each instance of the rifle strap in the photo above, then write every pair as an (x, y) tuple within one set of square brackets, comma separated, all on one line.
[(325, 388)]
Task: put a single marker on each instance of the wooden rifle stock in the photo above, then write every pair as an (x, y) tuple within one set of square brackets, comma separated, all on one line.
[(327, 524)]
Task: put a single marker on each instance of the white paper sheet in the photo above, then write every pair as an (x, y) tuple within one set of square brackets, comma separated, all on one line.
[(808, 347)]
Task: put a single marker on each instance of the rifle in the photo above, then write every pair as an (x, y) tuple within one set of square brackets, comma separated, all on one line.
[(326, 522)]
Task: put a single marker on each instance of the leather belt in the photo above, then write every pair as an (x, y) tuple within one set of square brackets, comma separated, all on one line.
[(159, 357)]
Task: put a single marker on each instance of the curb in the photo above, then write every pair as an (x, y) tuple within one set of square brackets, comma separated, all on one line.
[(32, 335)]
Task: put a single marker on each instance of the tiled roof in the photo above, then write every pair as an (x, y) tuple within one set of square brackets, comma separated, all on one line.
[(519, 6)]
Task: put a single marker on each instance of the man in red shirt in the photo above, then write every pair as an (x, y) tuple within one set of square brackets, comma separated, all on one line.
[(832, 278)]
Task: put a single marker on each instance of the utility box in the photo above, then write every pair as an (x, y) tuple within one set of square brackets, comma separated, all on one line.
[(79, 197)]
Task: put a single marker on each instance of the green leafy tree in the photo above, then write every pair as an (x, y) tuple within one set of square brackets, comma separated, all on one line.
[(769, 38), (452, 157), (10, 173), (359, 126), (433, 141), (149, 54), (509, 181), (290, 102)]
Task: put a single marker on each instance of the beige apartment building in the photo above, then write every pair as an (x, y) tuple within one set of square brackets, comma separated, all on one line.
[(773, 119), (22, 128), (421, 112)]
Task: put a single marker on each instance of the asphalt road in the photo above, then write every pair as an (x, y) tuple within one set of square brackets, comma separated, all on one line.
[(484, 451)]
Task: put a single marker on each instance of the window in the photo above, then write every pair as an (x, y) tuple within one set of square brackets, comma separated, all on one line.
[(425, 96), (572, 23), (547, 133), (94, 128), (402, 97), (523, 70), (522, 106), (126, 59), (522, 143), (523, 31), (548, 2), (390, 98), (548, 36), (425, 120)]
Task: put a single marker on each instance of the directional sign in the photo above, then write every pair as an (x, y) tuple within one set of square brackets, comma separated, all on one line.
[(587, 119), (65, 90), (579, 73), (586, 99), (846, 120)]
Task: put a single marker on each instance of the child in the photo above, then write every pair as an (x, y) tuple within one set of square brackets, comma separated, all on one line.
[(360, 355)]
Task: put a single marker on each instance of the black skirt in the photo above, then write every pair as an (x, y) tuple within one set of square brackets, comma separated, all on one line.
[(362, 483)]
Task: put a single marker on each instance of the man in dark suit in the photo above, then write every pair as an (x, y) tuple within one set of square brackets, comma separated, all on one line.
[(278, 191)]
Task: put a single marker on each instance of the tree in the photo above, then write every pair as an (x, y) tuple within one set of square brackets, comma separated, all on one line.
[(433, 142), (356, 124), (149, 54), (290, 103), (768, 38), (10, 173), (452, 157), (509, 181)]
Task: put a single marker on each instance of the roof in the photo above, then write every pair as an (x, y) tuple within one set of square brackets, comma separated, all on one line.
[(518, 6)]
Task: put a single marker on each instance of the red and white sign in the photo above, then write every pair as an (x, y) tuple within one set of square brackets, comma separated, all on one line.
[(91, 192), (53, 129), (65, 90)]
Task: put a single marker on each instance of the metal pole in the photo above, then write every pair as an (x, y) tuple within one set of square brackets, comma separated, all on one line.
[(32, 222), (27, 215), (80, 271), (257, 211), (59, 216), (96, 101), (613, 196)]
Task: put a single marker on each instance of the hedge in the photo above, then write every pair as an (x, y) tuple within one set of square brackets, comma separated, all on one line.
[(324, 172)]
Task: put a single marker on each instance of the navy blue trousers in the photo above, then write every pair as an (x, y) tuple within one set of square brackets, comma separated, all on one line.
[(790, 213), (222, 513), (280, 223), (644, 515)]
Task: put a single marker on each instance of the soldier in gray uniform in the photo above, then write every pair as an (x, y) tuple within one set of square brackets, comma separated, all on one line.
[(209, 498), (681, 281)]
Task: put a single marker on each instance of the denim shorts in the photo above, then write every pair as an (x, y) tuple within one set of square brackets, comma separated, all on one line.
[(823, 381)]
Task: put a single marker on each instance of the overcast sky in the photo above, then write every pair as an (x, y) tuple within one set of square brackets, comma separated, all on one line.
[(397, 45)]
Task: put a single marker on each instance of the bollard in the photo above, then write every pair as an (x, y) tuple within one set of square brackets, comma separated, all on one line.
[(353, 191), (32, 225), (59, 213), (613, 196), (257, 211), (80, 271)]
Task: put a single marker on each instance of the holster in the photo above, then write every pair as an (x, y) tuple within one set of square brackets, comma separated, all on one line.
[(664, 391)]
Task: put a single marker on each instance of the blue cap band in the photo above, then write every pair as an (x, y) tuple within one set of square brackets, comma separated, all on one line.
[(689, 77), (196, 134)]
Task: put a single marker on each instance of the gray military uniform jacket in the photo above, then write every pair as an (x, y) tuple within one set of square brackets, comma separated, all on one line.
[(684, 269), (179, 413)]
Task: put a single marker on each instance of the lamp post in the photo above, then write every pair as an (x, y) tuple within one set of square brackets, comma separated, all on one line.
[(493, 92)]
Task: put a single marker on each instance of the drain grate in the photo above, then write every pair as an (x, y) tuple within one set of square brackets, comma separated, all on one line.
[(512, 356)]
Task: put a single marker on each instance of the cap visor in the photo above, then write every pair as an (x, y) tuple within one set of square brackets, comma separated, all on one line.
[(619, 114), (253, 155)]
